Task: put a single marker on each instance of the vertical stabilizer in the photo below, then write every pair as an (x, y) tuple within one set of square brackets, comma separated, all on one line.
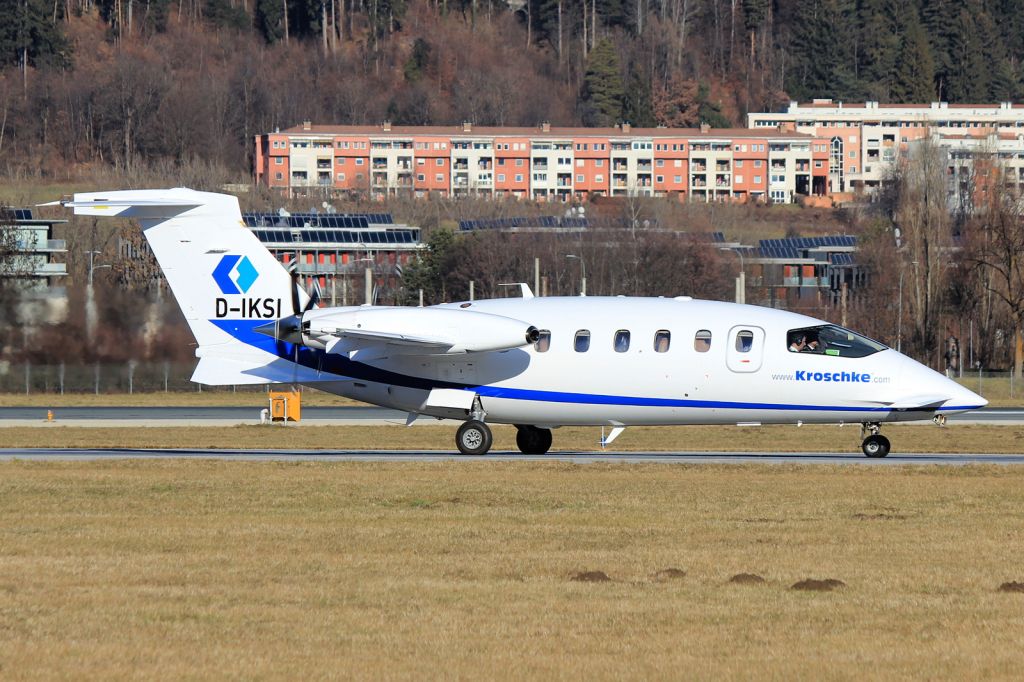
[(225, 281)]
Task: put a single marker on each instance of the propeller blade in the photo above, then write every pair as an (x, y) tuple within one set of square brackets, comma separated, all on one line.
[(293, 270), (314, 298)]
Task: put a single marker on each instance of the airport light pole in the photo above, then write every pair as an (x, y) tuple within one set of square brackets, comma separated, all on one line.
[(90, 299), (741, 278), (583, 272)]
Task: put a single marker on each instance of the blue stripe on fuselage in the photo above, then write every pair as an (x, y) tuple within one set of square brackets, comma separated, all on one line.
[(340, 365)]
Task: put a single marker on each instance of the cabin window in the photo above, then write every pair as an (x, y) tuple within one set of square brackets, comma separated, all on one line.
[(543, 341), (621, 341), (582, 341), (702, 341), (662, 340), (831, 340), (744, 341)]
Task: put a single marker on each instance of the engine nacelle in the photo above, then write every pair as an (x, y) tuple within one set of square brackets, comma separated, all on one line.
[(455, 331)]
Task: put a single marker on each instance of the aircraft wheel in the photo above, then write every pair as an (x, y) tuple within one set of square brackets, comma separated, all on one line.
[(875, 446), (532, 440), (474, 438)]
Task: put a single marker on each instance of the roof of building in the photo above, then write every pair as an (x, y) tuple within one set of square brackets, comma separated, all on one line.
[(553, 132)]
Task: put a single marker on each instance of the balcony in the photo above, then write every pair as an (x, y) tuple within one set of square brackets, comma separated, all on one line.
[(644, 166), (698, 167), (540, 165), (722, 166), (619, 164), (461, 164)]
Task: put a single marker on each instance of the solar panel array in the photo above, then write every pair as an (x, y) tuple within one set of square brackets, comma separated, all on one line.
[(842, 259), (311, 235), (22, 213), (317, 219), (797, 247), (553, 222), (512, 223)]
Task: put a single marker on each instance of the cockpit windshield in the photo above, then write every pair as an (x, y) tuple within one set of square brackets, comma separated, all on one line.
[(832, 340)]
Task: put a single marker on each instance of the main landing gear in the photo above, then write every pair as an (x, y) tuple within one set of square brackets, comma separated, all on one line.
[(875, 444), (474, 438), (533, 440)]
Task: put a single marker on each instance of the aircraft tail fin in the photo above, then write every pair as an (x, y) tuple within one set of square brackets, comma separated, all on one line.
[(225, 281)]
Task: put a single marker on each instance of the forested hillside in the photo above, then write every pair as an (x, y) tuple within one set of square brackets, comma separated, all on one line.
[(127, 83)]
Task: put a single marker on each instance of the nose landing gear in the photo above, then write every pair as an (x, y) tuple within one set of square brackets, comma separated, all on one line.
[(875, 444)]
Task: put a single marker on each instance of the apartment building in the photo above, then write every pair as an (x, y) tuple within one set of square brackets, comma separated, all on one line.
[(865, 139), (545, 163), (37, 266)]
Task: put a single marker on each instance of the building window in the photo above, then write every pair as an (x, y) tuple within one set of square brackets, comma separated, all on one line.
[(340, 160), (439, 177), (579, 178), (519, 163), (739, 163), (439, 162), (853, 154), (341, 177), (662, 339), (678, 179), (278, 176), (702, 341), (739, 179), (757, 179), (621, 343), (519, 177), (853, 169), (279, 160), (580, 163), (501, 162), (599, 163), (659, 178), (421, 177), (660, 163), (598, 178), (581, 344), (501, 177), (359, 162), (543, 341), (757, 163)]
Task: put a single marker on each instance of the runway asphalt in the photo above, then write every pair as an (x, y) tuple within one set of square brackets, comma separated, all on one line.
[(211, 416), (7, 454)]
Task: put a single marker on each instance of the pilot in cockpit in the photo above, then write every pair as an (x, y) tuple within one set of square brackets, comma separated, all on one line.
[(802, 342)]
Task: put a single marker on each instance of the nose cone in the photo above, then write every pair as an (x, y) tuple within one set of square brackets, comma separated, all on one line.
[(924, 388), (963, 399)]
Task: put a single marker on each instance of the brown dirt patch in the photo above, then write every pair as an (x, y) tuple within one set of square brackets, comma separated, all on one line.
[(746, 579), (812, 585), (590, 577), (667, 574), (1012, 587), (880, 517)]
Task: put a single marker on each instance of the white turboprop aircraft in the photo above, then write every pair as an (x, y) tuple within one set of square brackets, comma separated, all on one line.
[(538, 363)]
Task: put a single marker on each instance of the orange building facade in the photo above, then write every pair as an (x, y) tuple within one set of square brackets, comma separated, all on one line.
[(546, 163)]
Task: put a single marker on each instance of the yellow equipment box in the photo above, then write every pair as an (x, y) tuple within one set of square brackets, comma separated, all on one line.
[(285, 406)]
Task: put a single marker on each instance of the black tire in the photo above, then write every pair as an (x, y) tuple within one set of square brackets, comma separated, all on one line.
[(875, 446), (474, 438), (532, 440)]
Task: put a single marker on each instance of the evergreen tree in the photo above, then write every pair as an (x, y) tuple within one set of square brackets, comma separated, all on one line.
[(30, 34), (636, 102), (968, 76), (822, 52), (880, 39), (915, 75), (602, 94)]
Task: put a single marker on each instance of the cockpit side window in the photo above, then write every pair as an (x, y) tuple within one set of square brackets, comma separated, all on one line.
[(831, 340)]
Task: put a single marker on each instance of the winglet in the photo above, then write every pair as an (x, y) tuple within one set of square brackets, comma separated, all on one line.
[(524, 288)]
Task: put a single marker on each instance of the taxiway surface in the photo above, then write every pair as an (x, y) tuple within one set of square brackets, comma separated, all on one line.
[(60, 454)]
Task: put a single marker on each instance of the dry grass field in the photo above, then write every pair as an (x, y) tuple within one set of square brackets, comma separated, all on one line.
[(904, 437), (204, 569)]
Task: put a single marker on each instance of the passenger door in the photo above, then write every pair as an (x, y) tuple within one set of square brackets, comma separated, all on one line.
[(745, 352)]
